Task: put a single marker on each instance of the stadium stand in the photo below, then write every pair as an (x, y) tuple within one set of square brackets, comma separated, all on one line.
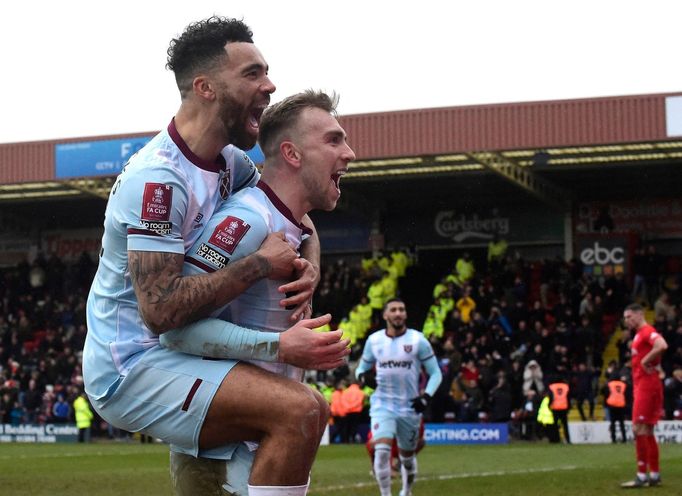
[(547, 314)]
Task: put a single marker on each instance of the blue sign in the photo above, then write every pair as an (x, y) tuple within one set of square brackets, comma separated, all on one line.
[(466, 433), (256, 154), (107, 157), (95, 158)]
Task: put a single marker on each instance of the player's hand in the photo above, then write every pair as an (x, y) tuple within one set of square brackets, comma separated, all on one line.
[(421, 402), (369, 379), (650, 369), (279, 255), (299, 293), (302, 347)]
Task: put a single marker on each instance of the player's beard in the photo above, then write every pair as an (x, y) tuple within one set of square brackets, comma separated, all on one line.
[(318, 193), (234, 116), (399, 325)]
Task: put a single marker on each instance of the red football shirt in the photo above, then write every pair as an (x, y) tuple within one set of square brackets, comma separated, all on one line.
[(641, 346)]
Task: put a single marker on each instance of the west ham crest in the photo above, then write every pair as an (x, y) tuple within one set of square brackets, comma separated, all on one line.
[(225, 185), (407, 348)]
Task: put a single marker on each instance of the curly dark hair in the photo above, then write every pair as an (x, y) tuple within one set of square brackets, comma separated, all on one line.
[(284, 114), (202, 46)]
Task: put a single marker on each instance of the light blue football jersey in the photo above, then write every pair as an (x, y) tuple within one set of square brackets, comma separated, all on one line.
[(160, 202), (236, 230), (398, 362)]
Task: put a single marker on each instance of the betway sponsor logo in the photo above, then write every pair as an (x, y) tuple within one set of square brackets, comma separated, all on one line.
[(395, 364), (459, 227)]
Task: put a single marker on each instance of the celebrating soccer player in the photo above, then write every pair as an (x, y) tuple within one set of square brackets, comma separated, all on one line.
[(397, 354)]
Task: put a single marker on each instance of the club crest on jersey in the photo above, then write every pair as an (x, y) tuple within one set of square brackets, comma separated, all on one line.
[(407, 348), (229, 233), (156, 201), (225, 185)]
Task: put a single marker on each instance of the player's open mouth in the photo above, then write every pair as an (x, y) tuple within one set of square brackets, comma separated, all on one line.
[(254, 119), (336, 178)]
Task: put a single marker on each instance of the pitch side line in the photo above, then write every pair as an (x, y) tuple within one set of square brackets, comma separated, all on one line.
[(495, 473)]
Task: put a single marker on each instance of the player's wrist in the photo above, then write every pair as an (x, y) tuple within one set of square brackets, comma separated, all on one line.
[(260, 265)]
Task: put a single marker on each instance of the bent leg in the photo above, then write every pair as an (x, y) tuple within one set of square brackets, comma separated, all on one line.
[(285, 416)]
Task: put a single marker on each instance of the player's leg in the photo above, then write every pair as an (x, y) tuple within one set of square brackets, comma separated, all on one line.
[(641, 442), (287, 417), (408, 440), (170, 396), (641, 449), (655, 400), (383, 432)]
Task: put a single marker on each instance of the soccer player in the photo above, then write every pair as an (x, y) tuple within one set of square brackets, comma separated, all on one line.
[(647, 348), (306, 154), (395, 460), (396, 406), (156, 210)]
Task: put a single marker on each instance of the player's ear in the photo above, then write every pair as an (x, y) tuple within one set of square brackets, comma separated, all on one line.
[(290, 153), (203, 87)]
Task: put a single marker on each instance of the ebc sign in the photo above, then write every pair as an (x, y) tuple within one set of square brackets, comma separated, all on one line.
[(604, 255)]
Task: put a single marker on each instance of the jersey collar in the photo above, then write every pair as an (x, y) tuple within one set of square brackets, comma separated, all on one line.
[(283, 209), (206, 165)]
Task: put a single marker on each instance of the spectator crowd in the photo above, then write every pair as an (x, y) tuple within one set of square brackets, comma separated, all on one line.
[(503, 329)]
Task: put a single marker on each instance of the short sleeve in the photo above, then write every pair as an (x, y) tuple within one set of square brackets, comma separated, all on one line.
[(245, 171), (233, 232), (151, 204)]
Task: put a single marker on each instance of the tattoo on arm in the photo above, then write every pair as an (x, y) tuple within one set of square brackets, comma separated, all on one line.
[(168, 300)]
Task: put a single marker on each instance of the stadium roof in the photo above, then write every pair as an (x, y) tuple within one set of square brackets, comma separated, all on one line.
[(558, 150)]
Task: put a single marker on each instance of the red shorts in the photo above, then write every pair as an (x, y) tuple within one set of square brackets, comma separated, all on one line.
[(647, 405)]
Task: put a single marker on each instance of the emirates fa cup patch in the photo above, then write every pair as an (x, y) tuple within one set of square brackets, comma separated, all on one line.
[(156, 206), (156, 201), (229, 233)]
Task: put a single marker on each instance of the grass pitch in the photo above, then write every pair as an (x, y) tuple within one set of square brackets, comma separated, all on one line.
[(515, 469)]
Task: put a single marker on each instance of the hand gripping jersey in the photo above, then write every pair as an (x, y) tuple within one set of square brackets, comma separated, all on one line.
[(236, 230), (642, 344), (159, 203), (398, 363)]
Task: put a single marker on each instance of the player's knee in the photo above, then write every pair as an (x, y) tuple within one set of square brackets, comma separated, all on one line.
[(382, 460), (303, 417), (324, 409), (408, 462)]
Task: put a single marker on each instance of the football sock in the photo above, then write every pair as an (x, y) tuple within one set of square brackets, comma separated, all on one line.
[(642, 450), (652, 453), (408, 470), (382, 468), (278, 490)]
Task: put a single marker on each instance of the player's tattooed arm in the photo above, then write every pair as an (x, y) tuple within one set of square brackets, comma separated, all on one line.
[(168, 300)]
